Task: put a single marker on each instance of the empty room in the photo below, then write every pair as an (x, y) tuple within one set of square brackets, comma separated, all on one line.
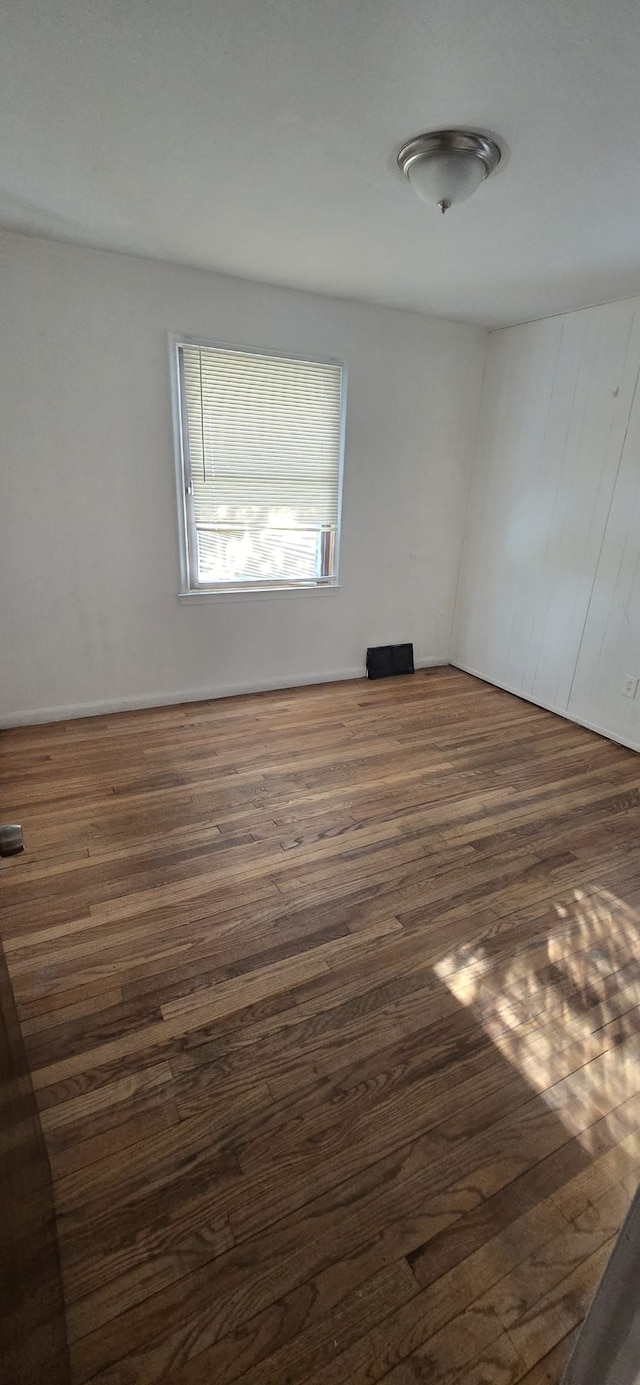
[(319, 692)]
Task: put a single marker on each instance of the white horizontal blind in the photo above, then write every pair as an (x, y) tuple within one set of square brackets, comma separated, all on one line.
[(263, 436)]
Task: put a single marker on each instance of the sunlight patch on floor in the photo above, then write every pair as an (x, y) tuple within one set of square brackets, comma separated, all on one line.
[(564, 1009)]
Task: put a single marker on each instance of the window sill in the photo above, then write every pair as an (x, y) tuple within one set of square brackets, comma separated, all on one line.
[(188, 598)]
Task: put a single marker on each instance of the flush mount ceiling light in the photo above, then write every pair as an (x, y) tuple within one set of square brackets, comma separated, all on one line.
[(446, 166)]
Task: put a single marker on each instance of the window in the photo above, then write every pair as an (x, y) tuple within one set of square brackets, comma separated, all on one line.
[(260, 468)]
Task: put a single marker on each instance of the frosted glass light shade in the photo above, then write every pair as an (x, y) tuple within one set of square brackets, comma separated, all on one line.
[(446, 178), (446, 166)]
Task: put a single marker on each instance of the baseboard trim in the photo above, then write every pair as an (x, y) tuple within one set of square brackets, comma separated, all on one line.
[(434, 661), (548, 706), (37, 715)]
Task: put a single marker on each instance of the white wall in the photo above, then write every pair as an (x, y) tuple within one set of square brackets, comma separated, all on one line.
[(549, 593), (89, 615)]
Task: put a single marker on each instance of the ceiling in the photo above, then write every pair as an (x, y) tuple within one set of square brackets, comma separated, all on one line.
[(257, 138)]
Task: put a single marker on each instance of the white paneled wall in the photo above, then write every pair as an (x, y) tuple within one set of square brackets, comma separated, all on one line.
[(549, 591), (610, 648)]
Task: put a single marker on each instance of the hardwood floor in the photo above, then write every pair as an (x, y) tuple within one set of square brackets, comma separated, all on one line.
[(332, 1003)]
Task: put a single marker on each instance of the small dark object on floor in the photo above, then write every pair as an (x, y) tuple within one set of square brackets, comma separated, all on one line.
[(385, 660), (11, 841)]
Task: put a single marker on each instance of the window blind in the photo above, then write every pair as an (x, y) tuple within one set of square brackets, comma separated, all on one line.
[(263, 441)]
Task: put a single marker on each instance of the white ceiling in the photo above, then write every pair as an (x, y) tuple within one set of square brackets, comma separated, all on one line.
[(257, 137)]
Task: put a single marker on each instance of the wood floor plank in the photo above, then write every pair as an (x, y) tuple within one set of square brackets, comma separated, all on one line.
[(552, 1317), (549, 1370), (81, 1107), (319, 1335), (332, 1001), (515, 1295)]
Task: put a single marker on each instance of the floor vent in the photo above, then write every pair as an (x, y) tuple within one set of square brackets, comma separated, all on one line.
[(385, 660)]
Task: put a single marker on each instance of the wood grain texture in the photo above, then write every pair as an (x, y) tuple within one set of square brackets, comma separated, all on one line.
[(332, 1003)]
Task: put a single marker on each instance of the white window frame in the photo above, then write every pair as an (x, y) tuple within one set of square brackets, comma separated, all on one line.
[(217, 591)]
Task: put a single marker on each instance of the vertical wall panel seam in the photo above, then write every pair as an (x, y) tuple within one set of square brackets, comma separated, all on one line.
[(602, 540)]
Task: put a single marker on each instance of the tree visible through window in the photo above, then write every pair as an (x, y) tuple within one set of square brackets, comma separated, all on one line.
[(261, 467)]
